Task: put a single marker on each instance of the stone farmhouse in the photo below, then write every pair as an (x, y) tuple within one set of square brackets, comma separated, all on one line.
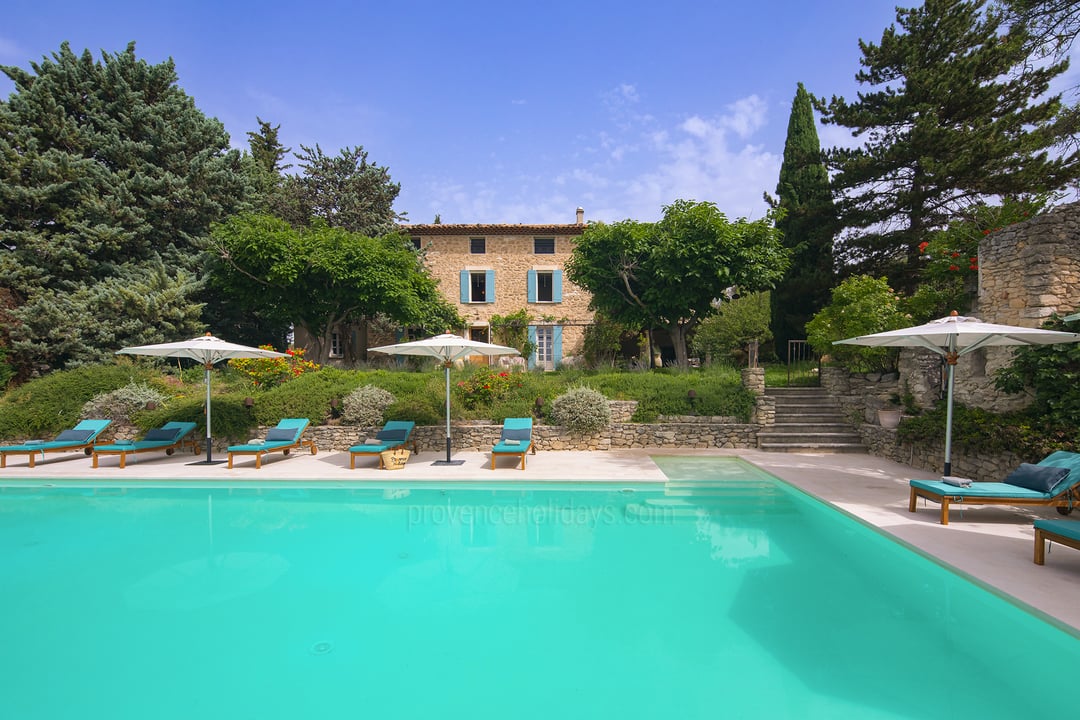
[(500, 269)]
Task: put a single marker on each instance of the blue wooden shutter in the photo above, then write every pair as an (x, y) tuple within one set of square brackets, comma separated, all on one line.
[(556, 286), (530, 286), (465, 286), (490, 283), (556, 349), (532, 339)]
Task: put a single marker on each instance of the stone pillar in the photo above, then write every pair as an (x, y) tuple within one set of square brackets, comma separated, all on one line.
[(753, 379)]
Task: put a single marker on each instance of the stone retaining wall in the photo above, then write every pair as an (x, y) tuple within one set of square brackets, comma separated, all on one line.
[(930, 457)]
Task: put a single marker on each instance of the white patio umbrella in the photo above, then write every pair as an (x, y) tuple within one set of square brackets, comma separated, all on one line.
[(208, 350), (954, 336), (446, 348)]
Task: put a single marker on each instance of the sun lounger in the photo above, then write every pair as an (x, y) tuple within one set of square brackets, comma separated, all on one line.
[(515, 439), (1063, 532), (80, 437), (167, 438), (394, 433), (1027, 485), (283, 438)]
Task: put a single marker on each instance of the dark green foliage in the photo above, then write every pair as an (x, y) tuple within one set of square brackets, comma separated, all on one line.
[(44, 407), (344, 191), (109, 180), (977, 430), (860, 305), (1052, 373), (263, 264), (667, 274), (807, 227), (953, 115), (725, 335)]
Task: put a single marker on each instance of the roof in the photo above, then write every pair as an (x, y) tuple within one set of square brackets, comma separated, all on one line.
[(492, 229)]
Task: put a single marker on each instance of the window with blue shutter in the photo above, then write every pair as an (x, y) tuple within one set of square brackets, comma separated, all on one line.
[(544, 286)]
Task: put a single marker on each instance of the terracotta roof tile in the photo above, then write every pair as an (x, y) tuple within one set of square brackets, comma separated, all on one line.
[(491, 229)]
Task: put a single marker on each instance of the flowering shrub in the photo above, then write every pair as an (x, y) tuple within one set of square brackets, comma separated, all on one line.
[(486, 385), (121, 403), (269, 372), (954, 251)]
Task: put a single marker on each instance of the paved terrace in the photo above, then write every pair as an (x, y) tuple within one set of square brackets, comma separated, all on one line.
[(991, 544)]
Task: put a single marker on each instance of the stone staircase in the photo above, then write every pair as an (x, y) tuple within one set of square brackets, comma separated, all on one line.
[(808, 420)]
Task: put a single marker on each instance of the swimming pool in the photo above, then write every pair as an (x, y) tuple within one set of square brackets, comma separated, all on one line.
[(723, 594)]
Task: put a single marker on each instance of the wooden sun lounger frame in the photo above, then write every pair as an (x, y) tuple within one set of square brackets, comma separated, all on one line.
[(1062, 501), (168, 449), (1042, 536), (87, 449), (283, 449)]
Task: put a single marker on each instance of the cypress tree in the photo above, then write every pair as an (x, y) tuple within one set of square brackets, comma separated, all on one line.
[(953, 118), (807, 226), (111, 179)]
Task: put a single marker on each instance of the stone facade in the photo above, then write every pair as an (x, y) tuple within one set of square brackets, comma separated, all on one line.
[(504, 255)]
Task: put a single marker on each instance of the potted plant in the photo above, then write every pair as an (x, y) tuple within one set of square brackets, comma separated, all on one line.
[(889, 414)]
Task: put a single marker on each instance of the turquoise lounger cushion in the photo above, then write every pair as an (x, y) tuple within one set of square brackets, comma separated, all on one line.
[(280, 434), (979, 489), (74, 436), (1042, 478), (158, 434), (1065, 528), (518, 434), (397, 435)]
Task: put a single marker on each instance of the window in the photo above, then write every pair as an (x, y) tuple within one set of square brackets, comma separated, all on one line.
[(544, 286), (416, 243), (477, 246), (336, 349), (544, 246), (477, 286)]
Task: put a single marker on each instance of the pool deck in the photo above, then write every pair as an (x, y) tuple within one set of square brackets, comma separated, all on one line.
[(992, 544)]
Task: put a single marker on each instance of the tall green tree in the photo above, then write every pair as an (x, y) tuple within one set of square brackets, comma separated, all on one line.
[(950, 119), (345, 191), (321, 278), (807, 226), (667, 274), (111, 179)]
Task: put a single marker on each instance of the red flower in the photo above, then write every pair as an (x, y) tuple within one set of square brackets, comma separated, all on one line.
[(973, 267), (955, 255), (923, 245), (953, 268), (986, 232), (973, 260)]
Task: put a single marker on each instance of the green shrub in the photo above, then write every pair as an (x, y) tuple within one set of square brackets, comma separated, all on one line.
[(860, 305), (49, 404), (582, 409), (124, 402), (366, 405), (420, 410), (487, 384), (307, 396)]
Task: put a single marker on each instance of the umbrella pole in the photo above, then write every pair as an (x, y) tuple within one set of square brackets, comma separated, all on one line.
[(447, 370), (950, 360), (209, 441)]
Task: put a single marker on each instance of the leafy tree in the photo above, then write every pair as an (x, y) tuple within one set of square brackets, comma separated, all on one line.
[(950, 121), (109, 180), (344, 191), (861, 305), (321, 278), (668, 273), (266, 149), (736, 324), (807, 227)]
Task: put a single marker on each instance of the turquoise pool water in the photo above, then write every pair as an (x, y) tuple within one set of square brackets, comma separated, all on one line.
[(722, 594)]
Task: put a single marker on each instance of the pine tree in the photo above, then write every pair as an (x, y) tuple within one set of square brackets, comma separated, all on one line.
[(111, 179), (808, 226), (951, 121)]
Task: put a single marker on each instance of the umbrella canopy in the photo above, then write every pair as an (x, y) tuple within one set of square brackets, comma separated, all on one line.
[(954, 336), (446, 348), (208, 350)]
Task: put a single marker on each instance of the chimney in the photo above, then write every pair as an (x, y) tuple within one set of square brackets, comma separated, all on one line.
[(581, 216)]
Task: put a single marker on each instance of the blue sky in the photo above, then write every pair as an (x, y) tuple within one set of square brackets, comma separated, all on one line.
[(501, 112)]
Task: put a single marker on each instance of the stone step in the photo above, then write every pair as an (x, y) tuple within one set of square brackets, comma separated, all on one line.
[(813, 447), (809, 438)]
